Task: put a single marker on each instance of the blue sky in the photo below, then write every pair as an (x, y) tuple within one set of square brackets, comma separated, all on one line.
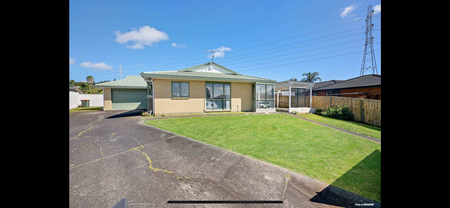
[(253, 37)]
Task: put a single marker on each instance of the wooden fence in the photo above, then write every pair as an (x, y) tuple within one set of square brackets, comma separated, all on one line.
[(284, 101), (365, 110)]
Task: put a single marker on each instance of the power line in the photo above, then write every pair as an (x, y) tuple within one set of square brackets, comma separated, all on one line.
[(293, 47), (304, 61), (301, 56), (298, 35), (295, 52), (298, 26), (231, 58), (275, 41)]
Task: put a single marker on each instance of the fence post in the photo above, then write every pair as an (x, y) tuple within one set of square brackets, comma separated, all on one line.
[(361, 103), (330, 102)]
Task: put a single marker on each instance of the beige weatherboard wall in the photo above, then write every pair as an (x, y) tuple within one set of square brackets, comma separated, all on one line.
[(197, 77)]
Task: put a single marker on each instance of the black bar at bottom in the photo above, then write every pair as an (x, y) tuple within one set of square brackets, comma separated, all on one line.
[(224, 202)]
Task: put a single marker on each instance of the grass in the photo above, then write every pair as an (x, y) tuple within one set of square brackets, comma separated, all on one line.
[(335, 157), (363, 129), (85, 109), (189, 114)]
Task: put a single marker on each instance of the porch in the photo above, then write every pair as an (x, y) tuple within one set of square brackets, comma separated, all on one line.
[(294, 96)]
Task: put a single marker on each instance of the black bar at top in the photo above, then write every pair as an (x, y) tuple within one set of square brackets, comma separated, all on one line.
[(224, 202)]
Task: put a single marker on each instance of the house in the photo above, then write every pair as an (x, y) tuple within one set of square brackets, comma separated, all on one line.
[(366, 86), (207, 87)]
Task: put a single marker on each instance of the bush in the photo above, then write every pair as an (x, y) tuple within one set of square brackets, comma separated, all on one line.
[(145, 113), (339, 112), (318, 111)]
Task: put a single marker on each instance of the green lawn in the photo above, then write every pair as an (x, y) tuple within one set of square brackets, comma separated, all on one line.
[(85, 109), (364, 129), (335, 157)]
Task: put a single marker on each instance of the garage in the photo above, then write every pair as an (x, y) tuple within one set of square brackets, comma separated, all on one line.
[(128, 99), (126, 94)]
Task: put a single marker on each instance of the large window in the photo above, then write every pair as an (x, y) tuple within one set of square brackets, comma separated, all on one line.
[(265, 96), (180, 89), (218, 96)]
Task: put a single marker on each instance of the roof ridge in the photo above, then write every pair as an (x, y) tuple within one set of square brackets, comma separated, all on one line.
[(348, 80), (189, 69), (335, 82)]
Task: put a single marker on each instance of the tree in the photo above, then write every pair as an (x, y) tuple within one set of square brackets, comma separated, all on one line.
[(311, 77), (90, 79)]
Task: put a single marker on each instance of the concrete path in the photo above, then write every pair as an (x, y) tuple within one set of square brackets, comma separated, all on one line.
[(114, 156)]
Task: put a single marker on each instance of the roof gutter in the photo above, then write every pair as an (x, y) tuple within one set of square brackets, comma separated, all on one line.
[(165, 76)]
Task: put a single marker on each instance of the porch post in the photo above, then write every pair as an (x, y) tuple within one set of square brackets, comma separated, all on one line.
[(278, 98), (310, 96), (289, 98)]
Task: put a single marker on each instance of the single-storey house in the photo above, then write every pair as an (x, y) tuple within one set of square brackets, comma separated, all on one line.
[(366, 87), (208, 87)]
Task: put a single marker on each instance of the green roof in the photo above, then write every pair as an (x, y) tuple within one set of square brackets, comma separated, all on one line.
[(188, 73), (136, 82)]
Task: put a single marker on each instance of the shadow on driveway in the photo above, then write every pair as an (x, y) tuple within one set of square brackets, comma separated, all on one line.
[(130, 113)]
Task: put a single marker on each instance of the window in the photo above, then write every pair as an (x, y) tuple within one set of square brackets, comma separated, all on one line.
[(180, 89), (265, 96), (218, 96), (333, 93)]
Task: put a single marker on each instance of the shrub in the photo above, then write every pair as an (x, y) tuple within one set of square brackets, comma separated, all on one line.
[(145, 113), (339, 112), (318, 111)]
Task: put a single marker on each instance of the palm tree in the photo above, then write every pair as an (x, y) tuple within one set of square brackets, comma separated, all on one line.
[(90, 80), (311, 77)]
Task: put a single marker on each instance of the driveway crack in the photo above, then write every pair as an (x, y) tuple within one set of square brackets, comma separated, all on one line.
[(288, 176), (101, 150), (81, 133), (188, 178)]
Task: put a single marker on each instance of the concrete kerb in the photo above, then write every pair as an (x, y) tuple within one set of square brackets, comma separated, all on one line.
[(207, 115)]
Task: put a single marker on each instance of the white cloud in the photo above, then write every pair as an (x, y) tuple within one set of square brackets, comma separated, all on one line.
[(71, 61), (98, 66), (179, 45), (377, 9), (146, 35), (347, 11), (220, 53), (136, 46)]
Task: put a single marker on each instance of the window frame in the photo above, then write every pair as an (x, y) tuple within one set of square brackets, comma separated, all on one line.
[(171, 89), (266, 96), (212, 99)]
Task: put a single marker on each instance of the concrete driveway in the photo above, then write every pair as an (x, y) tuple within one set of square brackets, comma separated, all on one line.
[(113, 156)]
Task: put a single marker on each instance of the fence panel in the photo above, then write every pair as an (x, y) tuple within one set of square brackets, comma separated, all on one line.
[(365, 110)]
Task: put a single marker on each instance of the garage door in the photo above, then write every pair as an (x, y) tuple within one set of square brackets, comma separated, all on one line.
[(128, 99)]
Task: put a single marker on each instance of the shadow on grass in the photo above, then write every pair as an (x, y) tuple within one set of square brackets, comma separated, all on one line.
[(346, 191)]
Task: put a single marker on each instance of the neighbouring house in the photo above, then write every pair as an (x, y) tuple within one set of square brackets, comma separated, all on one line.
[(366, 87), (208, 87)]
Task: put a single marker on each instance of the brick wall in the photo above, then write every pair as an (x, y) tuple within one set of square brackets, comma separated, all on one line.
[(165, 104), (371, 93), (241, 94)]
